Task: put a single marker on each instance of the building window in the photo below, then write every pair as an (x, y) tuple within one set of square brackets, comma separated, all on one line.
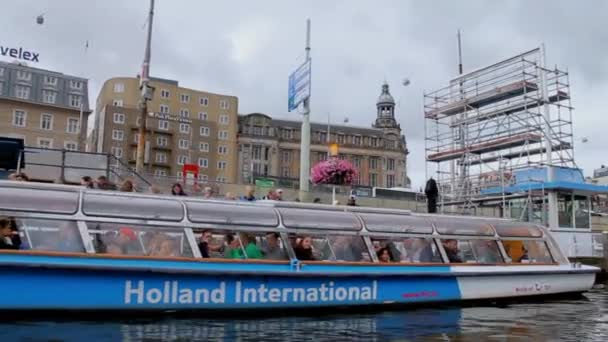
[(185, 98), (1, 71), (220, 179), (390, 181), (203, 147), (136, 138), (22, 92), (374, 142), (75, 84), (119, 118), (19, 118), (164, 109), (73, 125), (204, 101), (117, 102), (181, 160), (162, 141), (165, 94), (285, 172), (184, 113), (340, 138), (116, 151), (323, 137), (356, 162), (70, 146), (202, 116), (221, 165), (357, 140), (390, 164), (46, 121), (184, 128), (118, 134), (224, 119), (23, 75), (164, 125), (119, 87), (373, 163), (204, 178), (286, 156), (138, 121), (203, 162), (224, 104), (373, 179), (183, 144), (222, 149), (161, 157), (75, 101), (45, 143), (160, 173), (49, 96), (50, 80), (222, 135), (287, 133), (205, 131)]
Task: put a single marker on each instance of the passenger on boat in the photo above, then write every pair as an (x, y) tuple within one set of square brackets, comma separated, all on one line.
[(68, 239), (205, 245), (524, 256), (303, 249), (229, 196), (348, 248), (230, 244), (104, 184), (451, 250), (352, 201), (279, 194), (166, 248), (384, 255), (8, 238), (177, 190), (249, 194), (271, 196), (127, 241), (486, 251), (87, 182), (127, 186), (252, 251), (422, 251), (272, 249), (155, 190), (208, 193)]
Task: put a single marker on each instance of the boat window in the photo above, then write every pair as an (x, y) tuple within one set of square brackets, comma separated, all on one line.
[(391, 223), (49, 235), (512, 229), (408, 250), (241, 245), (145, 208), (233, 214), (319, 219), (527, 251), (472, 251), (462, 226), (330, 248), (38, 200), (216, 244), (125, 239)]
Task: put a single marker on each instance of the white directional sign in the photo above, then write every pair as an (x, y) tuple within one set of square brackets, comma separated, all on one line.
[(299, 85)]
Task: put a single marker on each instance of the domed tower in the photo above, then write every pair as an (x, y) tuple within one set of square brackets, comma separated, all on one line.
[(386, 111)]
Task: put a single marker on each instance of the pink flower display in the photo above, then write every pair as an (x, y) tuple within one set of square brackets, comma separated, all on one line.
[(334, 172)]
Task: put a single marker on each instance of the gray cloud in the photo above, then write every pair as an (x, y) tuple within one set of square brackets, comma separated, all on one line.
[(247, 49)]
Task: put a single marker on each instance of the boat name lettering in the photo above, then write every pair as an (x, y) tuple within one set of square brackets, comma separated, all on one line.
[(171, 292)]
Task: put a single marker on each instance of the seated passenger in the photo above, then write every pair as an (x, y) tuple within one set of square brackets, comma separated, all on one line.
[(113, 249), (251, 250), (303, 249), (203, 246), (347, 248), (384, 255), (230, 244), (451, 250), (422, 251), (272, 250), (524, 257), (8, 238), (127, 241), (166, 249), (67, 240), (486, 251)]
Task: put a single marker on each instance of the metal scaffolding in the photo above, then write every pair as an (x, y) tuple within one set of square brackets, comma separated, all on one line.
[(486, 124)]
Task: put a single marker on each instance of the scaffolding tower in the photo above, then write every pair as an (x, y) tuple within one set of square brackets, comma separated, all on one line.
[(488, 123)]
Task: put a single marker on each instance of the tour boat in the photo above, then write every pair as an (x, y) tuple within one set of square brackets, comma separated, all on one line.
[(91, 250)]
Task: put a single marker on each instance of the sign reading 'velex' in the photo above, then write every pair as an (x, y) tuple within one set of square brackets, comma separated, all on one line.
[(19, 53)]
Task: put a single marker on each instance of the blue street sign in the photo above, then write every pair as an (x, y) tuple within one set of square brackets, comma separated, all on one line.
[(299, 85)]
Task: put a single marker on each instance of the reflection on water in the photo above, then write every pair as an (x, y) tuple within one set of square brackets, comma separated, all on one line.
[(573, 320)]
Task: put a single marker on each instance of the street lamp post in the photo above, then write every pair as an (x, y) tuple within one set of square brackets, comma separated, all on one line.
[(305, 136), (146, 95)]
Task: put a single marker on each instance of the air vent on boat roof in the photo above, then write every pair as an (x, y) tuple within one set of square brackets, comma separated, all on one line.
[(145, 208), (232, 214), (39, 200), (319, 219), (391, 223)]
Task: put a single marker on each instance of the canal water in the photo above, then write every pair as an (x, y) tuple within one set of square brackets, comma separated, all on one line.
[(584, 319)]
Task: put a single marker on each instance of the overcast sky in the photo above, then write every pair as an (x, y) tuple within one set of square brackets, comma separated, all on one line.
[(248, 48)]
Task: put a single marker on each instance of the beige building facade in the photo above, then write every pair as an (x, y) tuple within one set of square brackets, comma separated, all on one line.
[(184, 126), (46, 109), (270, 148)]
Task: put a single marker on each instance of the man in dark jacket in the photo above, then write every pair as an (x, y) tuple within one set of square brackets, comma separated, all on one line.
[(9, 239), (432, 192)]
